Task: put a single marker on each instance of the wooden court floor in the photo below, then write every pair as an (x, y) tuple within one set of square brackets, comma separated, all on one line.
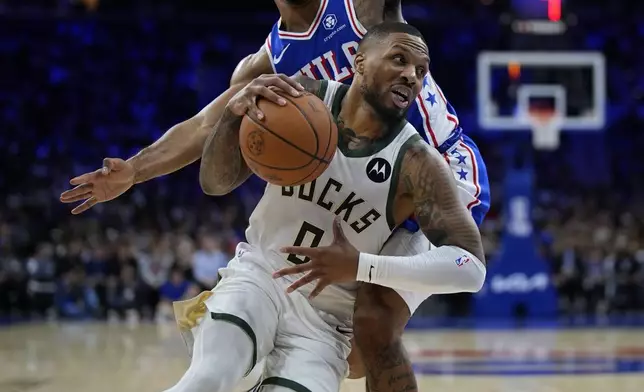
[(149, 358)]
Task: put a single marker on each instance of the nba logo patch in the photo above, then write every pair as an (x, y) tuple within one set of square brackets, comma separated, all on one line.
[(462, 260)]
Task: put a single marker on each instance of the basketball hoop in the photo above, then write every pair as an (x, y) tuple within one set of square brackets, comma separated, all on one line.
[(546, 126)]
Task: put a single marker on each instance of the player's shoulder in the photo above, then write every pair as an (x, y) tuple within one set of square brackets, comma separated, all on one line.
[(420, 161), (417, 149)]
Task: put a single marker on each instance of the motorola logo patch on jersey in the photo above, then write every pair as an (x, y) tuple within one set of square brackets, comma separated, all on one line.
[(378, 170), (330, 21)]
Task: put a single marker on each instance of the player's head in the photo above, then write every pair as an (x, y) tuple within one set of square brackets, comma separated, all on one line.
[(390, 65)]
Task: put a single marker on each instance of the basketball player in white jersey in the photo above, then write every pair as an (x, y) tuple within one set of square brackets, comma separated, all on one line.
[(301, 30), (251, 316)]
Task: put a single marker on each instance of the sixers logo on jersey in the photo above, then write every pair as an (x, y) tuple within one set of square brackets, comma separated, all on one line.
[(326, 50), (327, 66)]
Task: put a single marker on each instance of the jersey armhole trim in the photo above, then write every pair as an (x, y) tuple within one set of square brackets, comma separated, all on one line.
[(395, 177), (357, 27), (336, 104), (267, 48), (312, 29), (322, 91)]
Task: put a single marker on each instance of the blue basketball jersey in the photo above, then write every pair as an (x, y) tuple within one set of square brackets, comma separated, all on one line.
[(327, 51)]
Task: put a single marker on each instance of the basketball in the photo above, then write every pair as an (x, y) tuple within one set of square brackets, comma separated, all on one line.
[(293, 144)]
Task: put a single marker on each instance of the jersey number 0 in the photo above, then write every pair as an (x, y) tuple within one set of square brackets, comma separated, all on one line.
[(306, 228)]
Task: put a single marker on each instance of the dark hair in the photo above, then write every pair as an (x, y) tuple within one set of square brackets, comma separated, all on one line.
[(381, 31)]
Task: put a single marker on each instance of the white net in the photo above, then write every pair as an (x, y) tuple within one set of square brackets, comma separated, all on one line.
[(546, 129)]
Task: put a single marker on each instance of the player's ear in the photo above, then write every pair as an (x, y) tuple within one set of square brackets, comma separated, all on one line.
[(358, 63)]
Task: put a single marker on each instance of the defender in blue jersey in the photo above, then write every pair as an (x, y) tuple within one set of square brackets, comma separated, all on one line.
[(326, 49), (318, 38)]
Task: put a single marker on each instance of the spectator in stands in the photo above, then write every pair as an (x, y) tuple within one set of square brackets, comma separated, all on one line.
[(41, 280), (175, 289), (154, 268), (567, 275), (124, 295), (13, 287), (207, 261), (75, 298), (185, 251)]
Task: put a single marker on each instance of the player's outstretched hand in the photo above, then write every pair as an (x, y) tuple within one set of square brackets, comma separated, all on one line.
[(245, 101), (336, 263), (107, 183)]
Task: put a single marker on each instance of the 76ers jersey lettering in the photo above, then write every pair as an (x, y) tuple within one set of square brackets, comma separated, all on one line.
[(327, 51)]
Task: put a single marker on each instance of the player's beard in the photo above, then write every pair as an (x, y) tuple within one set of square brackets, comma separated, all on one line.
[(389, 115)]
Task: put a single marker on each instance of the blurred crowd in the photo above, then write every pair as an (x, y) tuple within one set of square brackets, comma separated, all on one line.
[(596, 250), (126, 260), (79, 88)]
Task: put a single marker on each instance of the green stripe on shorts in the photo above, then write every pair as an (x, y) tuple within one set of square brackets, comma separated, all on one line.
[(230, 318), (286, 383)]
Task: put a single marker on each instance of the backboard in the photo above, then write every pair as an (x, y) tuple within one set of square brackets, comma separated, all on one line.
[(513, 84)]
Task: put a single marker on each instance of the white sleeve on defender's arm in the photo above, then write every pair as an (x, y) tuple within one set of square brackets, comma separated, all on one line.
[(442, 270)]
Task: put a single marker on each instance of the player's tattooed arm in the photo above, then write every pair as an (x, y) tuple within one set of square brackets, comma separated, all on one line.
[(439, 211), (222, 166), (216, 178)]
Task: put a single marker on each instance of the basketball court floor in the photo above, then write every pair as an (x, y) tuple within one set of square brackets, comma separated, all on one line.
[(150, 358)]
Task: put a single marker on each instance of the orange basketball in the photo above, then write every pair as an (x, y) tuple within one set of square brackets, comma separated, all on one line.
[(293, 144)]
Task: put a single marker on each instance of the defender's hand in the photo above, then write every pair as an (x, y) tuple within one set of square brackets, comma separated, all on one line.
[(245, 101), (336, 263), (112, 180)]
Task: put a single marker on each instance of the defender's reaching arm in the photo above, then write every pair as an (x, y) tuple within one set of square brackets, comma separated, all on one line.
[(183, 143), (457, 264), (179, 146)]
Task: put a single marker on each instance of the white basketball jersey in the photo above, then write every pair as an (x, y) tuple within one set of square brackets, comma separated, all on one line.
[(358, 186)]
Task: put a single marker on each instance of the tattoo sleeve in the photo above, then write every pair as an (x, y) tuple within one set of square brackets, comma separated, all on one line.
[(310, 85), (222, 166), (439, 211)]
